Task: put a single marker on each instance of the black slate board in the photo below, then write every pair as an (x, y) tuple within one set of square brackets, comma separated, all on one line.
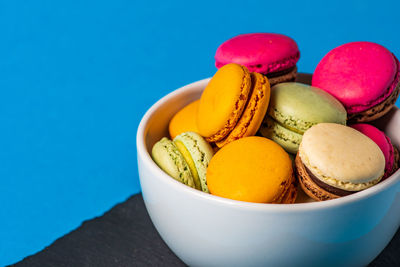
[(125, 236)]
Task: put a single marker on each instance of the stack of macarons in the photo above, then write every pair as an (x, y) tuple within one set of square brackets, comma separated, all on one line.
[(355, 82)]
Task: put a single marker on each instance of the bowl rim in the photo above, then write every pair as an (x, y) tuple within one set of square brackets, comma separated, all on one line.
[(146, 159)]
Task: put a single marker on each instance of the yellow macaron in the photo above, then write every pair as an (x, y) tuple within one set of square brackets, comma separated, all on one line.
[(253, 169)]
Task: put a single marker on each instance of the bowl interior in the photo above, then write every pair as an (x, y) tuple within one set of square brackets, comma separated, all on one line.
[(158, 116)]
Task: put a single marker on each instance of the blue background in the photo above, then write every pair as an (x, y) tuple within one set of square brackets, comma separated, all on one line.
[(76, 77)]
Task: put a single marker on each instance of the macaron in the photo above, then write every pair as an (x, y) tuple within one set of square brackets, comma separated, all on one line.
[(389, 151), (336, 160), (252, 169), (197, 153), (363, 76), (184, 120), (294, 108), (232, 105), (186, 158), (167, 156), (271, 54)]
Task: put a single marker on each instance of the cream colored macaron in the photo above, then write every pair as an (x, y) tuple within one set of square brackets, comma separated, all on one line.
[(335, 160)]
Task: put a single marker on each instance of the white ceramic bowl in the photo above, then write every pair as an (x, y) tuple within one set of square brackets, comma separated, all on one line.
[(206, 230)]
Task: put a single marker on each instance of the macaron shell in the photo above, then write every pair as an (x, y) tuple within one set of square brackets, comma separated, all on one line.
[(308, 185), (259, 52), (254, 112), (167, 156), (201, 153), (184, 120), (376, 111), (289, 194), (342, 157), (253, 169), (302, 197), (223, 102), (358, 74), (286, 138), (299, 106), (382, 141)]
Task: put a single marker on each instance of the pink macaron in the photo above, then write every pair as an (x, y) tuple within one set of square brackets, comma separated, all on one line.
[(271, 54), (364, 76), (389, 151)]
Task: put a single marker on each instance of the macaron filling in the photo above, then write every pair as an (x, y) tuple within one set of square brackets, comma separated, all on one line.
[(285, 137), (270, 121), (289, 122), (284, 66), (189, 160), (345, 185), (166, 154), (198, 154), (308, 185), (378, 110), (253, 113), (329, 188), (280, 73), (216, 109), (286, 77)]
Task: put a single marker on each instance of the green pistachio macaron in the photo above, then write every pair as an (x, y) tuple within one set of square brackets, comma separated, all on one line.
[(197, 153), (185, 158), (294, 108), (169, 159)]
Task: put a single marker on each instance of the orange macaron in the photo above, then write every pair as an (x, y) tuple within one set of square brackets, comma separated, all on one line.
[(184, 120), (232, 105), (252, 169)]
